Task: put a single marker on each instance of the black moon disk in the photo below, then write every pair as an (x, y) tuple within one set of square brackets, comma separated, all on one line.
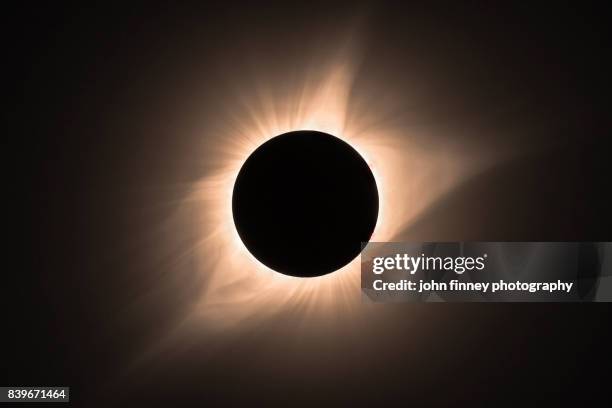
[(303, 203)]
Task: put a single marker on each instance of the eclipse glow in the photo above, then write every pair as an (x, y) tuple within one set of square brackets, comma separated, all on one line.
[(329, 97), (408, 177)]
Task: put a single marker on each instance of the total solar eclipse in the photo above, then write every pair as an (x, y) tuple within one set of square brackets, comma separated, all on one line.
[(303, 203)]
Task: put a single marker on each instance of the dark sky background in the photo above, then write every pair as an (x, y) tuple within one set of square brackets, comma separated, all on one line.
[(87, 172)]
